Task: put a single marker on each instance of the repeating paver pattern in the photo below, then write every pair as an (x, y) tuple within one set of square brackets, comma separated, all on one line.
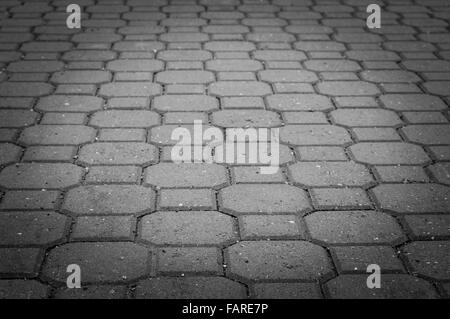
[(86, 177)]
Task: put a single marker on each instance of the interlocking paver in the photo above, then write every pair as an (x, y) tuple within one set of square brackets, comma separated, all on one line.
[(109, 200), (394, 287), (269, 260), (188, 228), (86, 168), (262, 198), (101, 262)]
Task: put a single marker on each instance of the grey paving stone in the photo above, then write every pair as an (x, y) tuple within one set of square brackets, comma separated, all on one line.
[(9, 153), (340, 198), (277, 260), (188, 228), (109, 200), (413, 198), (330, 174), (23, 289), (57, 135), (186, 199), (190, 288), (186, 175), (239, 88), (441, 171), (412, 102), (429, 259), (356, 259), (345, 88), (427, 134), (126, 153), (17, 118), (113, 174), (392, 287), (271, 227), (32, 228), (389, 153), (273, 76), (92, 292), (263, 198), (245, 118), (428, 226), (113, 228), (286, 291), (201, 103), (100, 262), (323, 135), (41, 176), (299, 102), (69, 103), (20, 262), (358, 227), (175, 260), (365, 117), (129, 89), (123, 119)]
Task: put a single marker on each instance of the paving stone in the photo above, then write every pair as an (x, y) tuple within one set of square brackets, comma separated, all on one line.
[(376, 134), (271, 227), (353, 88), (17, 118), (332, 65), (175, 260), (356, 227), (57, 135), (428, 226), (321, 153), (135, 65), (69, 103), (340, 198), (353, 259), (63, 118), (273, 76), (126, 153), (286, 291), (9, 153), (35, 66), (427, 134), (184, 117), (263, 198), (437, 87), (314, 135), (248, 174), (239, 88), (392, 287), (48, 176), (330, 174), (389, 153), (189, 77), (100, 262), (201, 103), (429, 258), (82, 77), (32, 228), (389, 76), (401, 174), (22, 289), (26, 200), (279, 55), (299, 102), (129, 89), (413, 198), (89, 55), (150, 46), (282, 260), (110, 200), (23, 262), (412, 102), (245, 118), (229, 46), (184, 55), (365, 117), (124, 119), (242, 102), (188, 228), (113, 174), (190, 288), (233, 65), (104, 228), (186, 175), (92, 292), (49, 154), (187, 199), (441, 172)]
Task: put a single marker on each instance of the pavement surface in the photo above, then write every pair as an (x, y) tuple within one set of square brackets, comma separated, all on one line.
[(86, 177)]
